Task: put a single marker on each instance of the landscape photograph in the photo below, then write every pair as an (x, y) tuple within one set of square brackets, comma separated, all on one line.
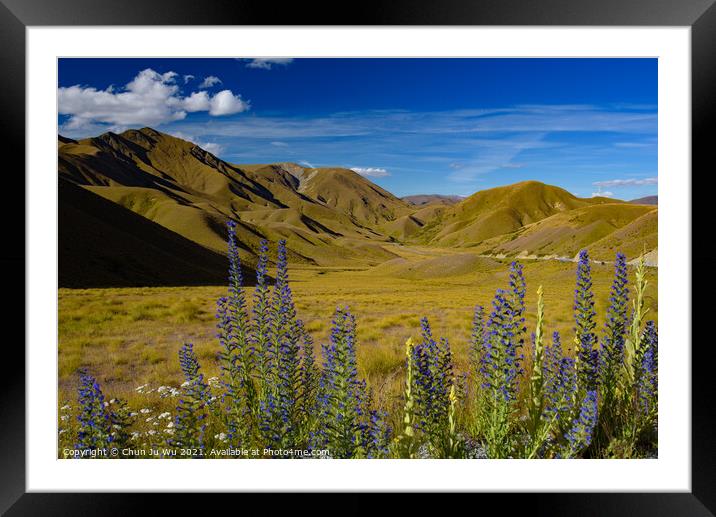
[(329, 258)]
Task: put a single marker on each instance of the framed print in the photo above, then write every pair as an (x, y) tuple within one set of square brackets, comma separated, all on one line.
[(420, 246)]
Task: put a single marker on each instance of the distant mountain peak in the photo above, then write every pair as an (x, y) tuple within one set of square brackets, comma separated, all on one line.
[(429, 199), (647, 200)]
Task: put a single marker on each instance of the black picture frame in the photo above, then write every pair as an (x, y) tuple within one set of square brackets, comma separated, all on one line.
[(700, 15)]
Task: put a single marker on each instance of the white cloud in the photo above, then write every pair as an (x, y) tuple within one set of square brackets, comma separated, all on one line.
[(279, 144), (226, 103), (630, 182), (188, 78), (372, 172), (149, 99), (197, 101), (268, 63), (212, 147), (606, 193), (210, 81)]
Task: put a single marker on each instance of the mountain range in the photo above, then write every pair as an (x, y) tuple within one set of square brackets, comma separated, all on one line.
[(146, 208)]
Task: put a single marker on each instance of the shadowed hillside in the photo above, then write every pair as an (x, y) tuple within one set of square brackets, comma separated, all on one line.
[(324, 214), (102, 244), (177, 197)]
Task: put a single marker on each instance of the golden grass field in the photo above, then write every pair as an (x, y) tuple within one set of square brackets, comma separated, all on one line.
[(128, 337)]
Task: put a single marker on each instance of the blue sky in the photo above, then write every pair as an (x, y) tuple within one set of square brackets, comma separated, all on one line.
[(413, 126)]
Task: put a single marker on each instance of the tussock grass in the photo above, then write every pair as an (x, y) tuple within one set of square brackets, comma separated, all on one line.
[(130, 337)]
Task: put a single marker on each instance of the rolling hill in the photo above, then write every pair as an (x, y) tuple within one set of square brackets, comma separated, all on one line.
[(432, 199), (102, 244), (325, 214), (498, 211), (648, 200), (168, 200), (565, 233)]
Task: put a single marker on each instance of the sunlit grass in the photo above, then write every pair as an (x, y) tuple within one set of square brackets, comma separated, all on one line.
[(131, 337)]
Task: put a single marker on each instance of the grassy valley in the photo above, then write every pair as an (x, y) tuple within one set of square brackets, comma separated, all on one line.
[(142, 258)]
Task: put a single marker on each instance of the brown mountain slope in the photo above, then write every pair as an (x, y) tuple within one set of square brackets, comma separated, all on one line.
[(632, 239), (352, 194), (191, 192), (102, 244), (331, 216), (498, 211), (565, 233)]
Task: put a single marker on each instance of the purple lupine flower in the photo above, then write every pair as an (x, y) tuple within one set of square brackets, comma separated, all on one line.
[(580, 435), (518, 287), (432, 380), (261, 325), (237, 347), (189, 425), (584, 314), (477, 336), (650, 340), (611, 355), (501, 362), (647, 382), (343, 400), (236, 357), (94, 419), (647, 388), (551, 373), (560, 392)]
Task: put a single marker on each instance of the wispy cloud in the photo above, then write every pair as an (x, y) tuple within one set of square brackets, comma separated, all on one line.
[(371, 172), (460, 145), (527, 119), (605, 193), (268, 63), (629, 182), (634, 145), (209, 81)]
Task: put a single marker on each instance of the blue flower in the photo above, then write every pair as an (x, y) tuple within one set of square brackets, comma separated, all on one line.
[(584, 314), (94, 419), (580, 435)]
